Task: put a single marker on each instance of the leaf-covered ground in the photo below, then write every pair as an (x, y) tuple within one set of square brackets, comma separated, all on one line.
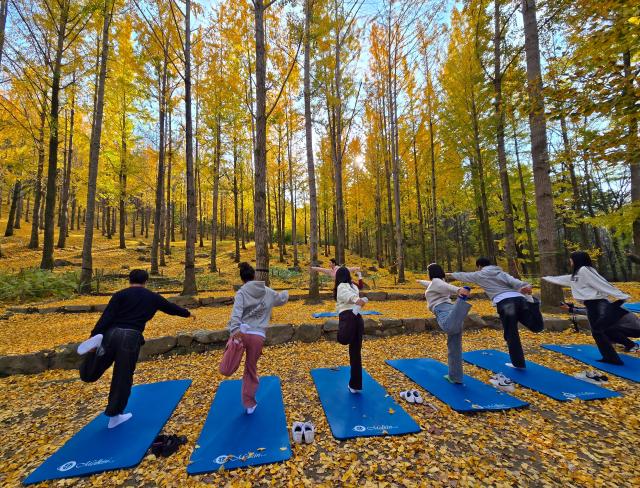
[(550, 443)]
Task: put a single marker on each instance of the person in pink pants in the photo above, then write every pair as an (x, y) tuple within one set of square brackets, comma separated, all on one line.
[(250, 317)]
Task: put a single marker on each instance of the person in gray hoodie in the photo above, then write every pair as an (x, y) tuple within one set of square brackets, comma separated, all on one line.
[(513, 300), (250, 317)]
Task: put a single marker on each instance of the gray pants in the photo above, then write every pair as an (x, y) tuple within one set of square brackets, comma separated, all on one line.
[(450, 318)]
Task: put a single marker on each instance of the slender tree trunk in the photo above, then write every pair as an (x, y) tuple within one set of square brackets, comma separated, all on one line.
[(189, 287), (547, 244), (294, 236), (525, 205), (4, 10), (52, 167), (64, 214), (94, 153), (509, 231), (236, 229), (260, 150), (37, 194), (633, 147), (17, 188), (314, 283), (213, 266), (162, 106), (169, 228)]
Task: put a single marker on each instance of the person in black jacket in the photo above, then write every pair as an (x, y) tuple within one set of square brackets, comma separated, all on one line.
[(117, 337)]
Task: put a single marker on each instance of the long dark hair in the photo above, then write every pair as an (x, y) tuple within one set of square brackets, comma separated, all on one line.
[(580, 259), (247, 273), (342, 276), (435, 271)]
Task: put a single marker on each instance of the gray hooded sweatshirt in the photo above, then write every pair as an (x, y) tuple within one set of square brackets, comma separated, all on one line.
[(492, 279), (252, 307)]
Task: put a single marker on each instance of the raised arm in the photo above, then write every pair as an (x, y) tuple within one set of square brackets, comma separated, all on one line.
[(424, 283), (563, 280), (280, 298), (318, 269), (169, 308), (463, 276), (597, 282)]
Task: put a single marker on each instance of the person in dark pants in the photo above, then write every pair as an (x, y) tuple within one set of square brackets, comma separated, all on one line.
[(622, 324), (513, 301), (588, 286), (350, 325), (117, 337)]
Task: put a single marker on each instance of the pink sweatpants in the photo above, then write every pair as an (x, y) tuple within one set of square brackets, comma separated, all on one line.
[(253, 349)]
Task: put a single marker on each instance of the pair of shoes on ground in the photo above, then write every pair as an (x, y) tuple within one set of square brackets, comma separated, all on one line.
[(303, 432), (165, 445), (591, 376), (503, 383), (411, 396)]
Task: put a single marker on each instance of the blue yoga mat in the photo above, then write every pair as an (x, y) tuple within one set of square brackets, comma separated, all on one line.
[(632, 307), (96, 448), (321, 315), (371, 412), (547, 381), (233, 439), (589, 354), (471, 396)]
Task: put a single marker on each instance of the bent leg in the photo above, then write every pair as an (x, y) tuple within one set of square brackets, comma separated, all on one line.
[(250, 379), (596, 311), (454, 323), (530, 316)]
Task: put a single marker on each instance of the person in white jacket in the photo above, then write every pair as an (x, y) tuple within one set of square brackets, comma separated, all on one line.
[(588, 286), (450, 316), (350, 323)]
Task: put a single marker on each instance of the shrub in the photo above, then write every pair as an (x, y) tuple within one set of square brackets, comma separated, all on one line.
[(32, 283)]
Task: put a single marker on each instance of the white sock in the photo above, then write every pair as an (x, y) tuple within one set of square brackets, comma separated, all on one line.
[(90, 344), (250, 410), (119, 419)]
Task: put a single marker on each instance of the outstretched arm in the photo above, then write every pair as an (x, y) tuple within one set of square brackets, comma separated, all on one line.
[(463, 276), (169, 308), (318, 269), (280, 298), (564, 280)]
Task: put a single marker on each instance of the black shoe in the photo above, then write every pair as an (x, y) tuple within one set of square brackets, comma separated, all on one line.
[(166, 445)]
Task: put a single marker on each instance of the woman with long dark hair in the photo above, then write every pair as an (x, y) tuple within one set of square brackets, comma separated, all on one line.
[(450, 316), (350, 325), (588, 286)]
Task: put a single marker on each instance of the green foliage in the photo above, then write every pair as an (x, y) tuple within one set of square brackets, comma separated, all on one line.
[(33, 283)]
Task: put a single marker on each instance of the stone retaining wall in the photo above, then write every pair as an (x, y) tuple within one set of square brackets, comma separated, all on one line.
[(199, 341), (193, 302)]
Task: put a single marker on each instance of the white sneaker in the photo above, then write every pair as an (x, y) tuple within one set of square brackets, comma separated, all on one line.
[(90, 344), (118, 419), (635, 348), (297, 432), (591, 377), (309, 432), (250, 410), (352, 390), (501, 382), (408, 396), (510, 365), (416, 396)]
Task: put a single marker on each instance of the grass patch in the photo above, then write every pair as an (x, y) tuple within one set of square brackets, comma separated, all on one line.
[(33, 283)]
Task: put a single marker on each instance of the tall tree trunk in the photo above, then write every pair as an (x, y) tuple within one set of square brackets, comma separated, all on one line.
[(236, 229), (633, 147), (94, 153), (509, 231), (260, 150), (294, 236), (66, 184), (4, 10), (314, 283), (169, 228), (52, 167), (17, 188), (432, 161), (538, 126), (213, 266), (189, 287), (525, 205), (37, 194), (423, 242), (162, 107)]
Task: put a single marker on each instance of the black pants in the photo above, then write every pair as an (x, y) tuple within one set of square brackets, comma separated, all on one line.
[(512, 311), (120, 347), (350, 331), (597, 312)]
